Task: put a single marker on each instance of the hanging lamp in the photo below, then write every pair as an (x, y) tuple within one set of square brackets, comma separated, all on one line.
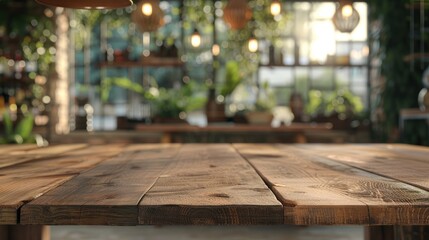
[(237, 13), (196, 38), (252, 44), (346, 17), (87, 4), (275, 7), (148, 16)]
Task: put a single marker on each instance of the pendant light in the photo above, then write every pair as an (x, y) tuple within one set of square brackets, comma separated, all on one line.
[(346, 17), (275, 7), (148, 16), (237, 13), (87, 4), (252, 44), (196, 38)]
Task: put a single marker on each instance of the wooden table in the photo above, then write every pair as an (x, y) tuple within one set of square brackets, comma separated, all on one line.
[(298, 130), (379, 186)]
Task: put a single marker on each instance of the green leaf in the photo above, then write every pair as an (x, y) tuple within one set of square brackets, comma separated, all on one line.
[(8, 125), (25, 127)]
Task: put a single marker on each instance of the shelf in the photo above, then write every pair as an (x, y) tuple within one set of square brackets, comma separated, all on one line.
[(416, 56), (314, 65), (11, 80), (147, 62)]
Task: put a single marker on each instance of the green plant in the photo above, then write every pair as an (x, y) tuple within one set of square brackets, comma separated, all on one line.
[(266, 100), (174, 103), (125, 83), (22, 133), (341, 102), (168, 103), (232, 78)]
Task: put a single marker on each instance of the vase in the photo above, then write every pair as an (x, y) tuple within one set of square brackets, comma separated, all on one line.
[(423, 99)]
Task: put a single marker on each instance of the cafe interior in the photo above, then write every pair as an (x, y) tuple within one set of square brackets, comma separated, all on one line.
[(214, 71)]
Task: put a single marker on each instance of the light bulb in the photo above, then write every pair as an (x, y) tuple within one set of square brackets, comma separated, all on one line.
[(275, 8), (347, 10), (196, 39), (253, 45), (216, 50), (147, 9)]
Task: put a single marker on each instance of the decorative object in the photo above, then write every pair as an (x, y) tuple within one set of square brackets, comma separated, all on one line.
[(148, 16), (87, 4), (296, 104), (424, 99), (346, 18), (237, 13)]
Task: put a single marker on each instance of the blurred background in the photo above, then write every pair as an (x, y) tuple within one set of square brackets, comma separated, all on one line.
[(215, 71)]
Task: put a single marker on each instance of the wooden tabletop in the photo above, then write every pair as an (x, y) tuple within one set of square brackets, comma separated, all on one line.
[(214, 184), (177, 128)]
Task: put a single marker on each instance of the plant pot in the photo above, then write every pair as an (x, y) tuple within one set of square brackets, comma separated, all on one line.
[(260, 118), (215, 112), (168, 120)]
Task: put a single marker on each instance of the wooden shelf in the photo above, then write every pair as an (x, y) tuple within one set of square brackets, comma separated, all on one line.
[(11, 80), (314, 65), (416, 56), (146, 62)]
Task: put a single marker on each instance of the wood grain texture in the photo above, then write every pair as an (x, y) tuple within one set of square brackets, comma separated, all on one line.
[(105, 195), (406, 163), (24, 182), (318, 190), (210, 184), (13, 155), (308, 190)]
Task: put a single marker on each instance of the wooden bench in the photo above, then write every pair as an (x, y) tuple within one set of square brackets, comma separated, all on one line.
[(379, 186)]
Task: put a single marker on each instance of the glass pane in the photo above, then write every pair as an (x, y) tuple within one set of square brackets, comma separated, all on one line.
[(277, 76), (322, 78)]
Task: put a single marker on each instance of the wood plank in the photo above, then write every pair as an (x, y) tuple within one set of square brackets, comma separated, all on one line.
[(5, 149), (25, 182), (105, 195), (317, 190), (406, 163), (210, 184), (17, 155), (307, 189), (400, 205)]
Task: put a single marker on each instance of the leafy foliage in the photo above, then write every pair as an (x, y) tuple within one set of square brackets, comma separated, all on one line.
[(402, 82), (232, 78), (22, 133), (339, 102), (266, 99)]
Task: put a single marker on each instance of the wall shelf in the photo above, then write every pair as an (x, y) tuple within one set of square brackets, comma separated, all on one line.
[(146, 62), (314, 65)]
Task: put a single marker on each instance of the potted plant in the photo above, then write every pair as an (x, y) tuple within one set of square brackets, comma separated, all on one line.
[(262, 110), (172, 105), (215, 110), (340, 107)]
